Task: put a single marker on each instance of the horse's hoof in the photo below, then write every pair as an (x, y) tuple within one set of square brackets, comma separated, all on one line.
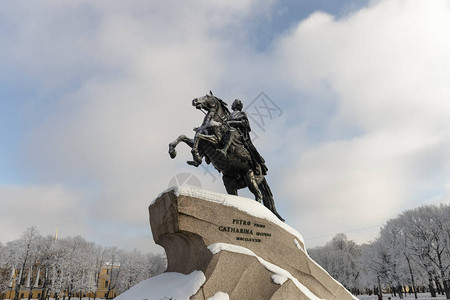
[(172, 151), (197, 158), (193, 163)]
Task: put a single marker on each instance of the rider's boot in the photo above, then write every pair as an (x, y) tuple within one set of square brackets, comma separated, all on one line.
[(227, 139), (224, 150)]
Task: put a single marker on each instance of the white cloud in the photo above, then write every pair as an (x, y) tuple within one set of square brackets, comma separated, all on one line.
[(386, 68), (117, 79), (45, 207), (387, 62)]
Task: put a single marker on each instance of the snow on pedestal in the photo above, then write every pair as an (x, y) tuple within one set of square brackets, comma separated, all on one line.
[(171, 285), (243, 250)]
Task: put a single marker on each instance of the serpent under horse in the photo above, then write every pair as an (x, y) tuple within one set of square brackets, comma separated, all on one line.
[(236, 164)]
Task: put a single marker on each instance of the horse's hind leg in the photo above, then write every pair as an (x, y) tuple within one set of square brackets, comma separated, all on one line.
[(253, 186), (173, 145)]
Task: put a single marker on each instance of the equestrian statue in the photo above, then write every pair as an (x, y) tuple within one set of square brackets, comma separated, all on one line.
[(223, 140)]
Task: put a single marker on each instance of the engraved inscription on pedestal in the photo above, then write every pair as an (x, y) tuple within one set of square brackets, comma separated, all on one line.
[(245, 231)]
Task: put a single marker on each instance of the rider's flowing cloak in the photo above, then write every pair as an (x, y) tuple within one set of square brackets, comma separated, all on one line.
[(239, 120)]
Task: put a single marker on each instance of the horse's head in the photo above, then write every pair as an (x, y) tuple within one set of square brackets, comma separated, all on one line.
[(211, 103), (207, 102)]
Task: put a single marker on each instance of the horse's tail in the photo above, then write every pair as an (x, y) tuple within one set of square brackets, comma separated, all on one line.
[(268, 198)]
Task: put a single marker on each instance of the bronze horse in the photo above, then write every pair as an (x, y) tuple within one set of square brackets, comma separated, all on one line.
[(236, 163)]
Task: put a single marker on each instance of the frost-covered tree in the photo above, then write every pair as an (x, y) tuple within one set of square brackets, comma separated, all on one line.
[(134, 269), (340, 258), (100, 261), (382, 264), (113, 255), (33, 268), (427, 228), (401, 247), (87, 281), (157, 263), (48, 256), (71, 265), (5, 270), (388, 249), (21, 254), (371, 268), (57, 270), (78, 266)]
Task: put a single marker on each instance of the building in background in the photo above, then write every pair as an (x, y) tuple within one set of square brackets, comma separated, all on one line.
[(39, 283)]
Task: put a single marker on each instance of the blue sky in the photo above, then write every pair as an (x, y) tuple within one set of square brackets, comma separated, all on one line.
[(92, 93), (287, 14)]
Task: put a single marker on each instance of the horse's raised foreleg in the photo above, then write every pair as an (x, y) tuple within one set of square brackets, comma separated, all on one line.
[(197, 159), (181, 138)]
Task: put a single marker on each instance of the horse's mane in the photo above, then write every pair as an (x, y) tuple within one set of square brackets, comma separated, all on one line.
[(224, 106)]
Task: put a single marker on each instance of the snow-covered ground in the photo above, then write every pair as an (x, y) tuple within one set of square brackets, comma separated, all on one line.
[(424, 296)]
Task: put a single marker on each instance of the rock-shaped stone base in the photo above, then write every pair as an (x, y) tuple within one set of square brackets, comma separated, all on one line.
[(240, 246)]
